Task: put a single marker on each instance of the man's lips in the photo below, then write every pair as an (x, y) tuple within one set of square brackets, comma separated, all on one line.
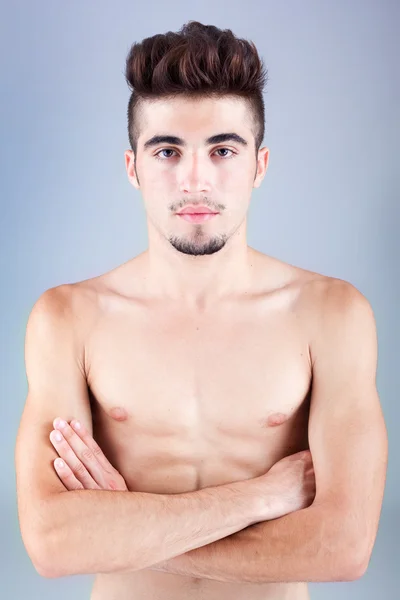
[(196, 210), (197, 218)]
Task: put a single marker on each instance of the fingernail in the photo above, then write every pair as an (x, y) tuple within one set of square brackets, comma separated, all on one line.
[(59, 463), (57, 436), (60, 423), (76, 425)]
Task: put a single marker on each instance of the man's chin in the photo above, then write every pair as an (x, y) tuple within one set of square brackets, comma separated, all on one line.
[(203, 248)]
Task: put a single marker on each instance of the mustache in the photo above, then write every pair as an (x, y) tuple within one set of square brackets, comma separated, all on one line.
[(184, 203)]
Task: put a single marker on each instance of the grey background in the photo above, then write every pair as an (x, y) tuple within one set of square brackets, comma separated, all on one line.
[(329, 201)]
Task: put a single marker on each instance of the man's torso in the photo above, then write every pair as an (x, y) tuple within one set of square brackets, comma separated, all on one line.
[(186, 401)]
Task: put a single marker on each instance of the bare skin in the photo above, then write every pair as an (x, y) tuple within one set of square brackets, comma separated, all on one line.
[(221, 433), (207, 363), (158, 392)]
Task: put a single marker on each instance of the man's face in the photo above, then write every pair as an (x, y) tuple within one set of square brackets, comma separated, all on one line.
[(219, 175)]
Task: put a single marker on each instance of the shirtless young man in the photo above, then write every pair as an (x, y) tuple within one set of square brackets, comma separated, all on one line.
[(202, 368)]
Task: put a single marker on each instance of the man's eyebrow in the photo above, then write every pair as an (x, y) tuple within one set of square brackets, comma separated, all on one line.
[(177, 141)]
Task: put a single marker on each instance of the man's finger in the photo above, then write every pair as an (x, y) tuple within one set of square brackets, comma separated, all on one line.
[(80, 453), (68, 454), (84, 434), (66, 475), (85, 457)]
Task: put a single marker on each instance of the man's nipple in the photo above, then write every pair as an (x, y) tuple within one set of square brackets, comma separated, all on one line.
[(118, 413), (276, 419)]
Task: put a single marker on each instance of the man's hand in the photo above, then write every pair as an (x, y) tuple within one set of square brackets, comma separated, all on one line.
[(91, 470), (84, 464)]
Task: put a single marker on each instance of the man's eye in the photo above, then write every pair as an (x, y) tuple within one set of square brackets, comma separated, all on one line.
[(163, 150), (158, 157)]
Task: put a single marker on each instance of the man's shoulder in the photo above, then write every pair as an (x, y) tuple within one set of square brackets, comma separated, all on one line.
[(65, 307), (315, 287), (66, 298), (81, 303), (77, 296), (327, 307), (331, 304), (317, 294), (331, 294)]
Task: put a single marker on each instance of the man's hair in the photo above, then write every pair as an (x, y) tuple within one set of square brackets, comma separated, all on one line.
[(199, 61)]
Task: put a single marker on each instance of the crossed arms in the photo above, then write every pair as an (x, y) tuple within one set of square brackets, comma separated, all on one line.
[(94, 531)]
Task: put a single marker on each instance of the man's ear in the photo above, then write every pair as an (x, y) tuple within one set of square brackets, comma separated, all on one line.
[(130, 168), (262, 165)]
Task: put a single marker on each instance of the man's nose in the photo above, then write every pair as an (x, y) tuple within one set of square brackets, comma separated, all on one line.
[(195, 174)]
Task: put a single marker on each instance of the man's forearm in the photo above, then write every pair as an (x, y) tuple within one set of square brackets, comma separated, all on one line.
[(100, 531), (302, 546)]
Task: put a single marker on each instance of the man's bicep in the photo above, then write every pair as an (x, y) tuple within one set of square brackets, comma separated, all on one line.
[(56, 387), (347, 433)]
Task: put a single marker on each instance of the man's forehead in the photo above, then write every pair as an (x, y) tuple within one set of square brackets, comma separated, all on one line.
[(200, 122), (224, 110), (209, 103)]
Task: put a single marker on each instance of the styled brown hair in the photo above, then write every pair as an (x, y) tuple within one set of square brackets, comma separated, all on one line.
[(196, 62)]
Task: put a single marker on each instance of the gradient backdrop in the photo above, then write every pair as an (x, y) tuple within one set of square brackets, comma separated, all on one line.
[(329, 201)]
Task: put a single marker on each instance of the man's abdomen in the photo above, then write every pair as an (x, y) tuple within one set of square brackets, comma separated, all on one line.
[(154, 585)]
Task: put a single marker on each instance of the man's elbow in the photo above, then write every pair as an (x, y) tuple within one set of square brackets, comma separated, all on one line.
[(349, 542), (353, 571), (354, 561), (42, 551), (45, 569), (44, 561)]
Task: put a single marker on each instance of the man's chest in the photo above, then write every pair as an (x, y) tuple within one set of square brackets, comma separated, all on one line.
[(205, 400)]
